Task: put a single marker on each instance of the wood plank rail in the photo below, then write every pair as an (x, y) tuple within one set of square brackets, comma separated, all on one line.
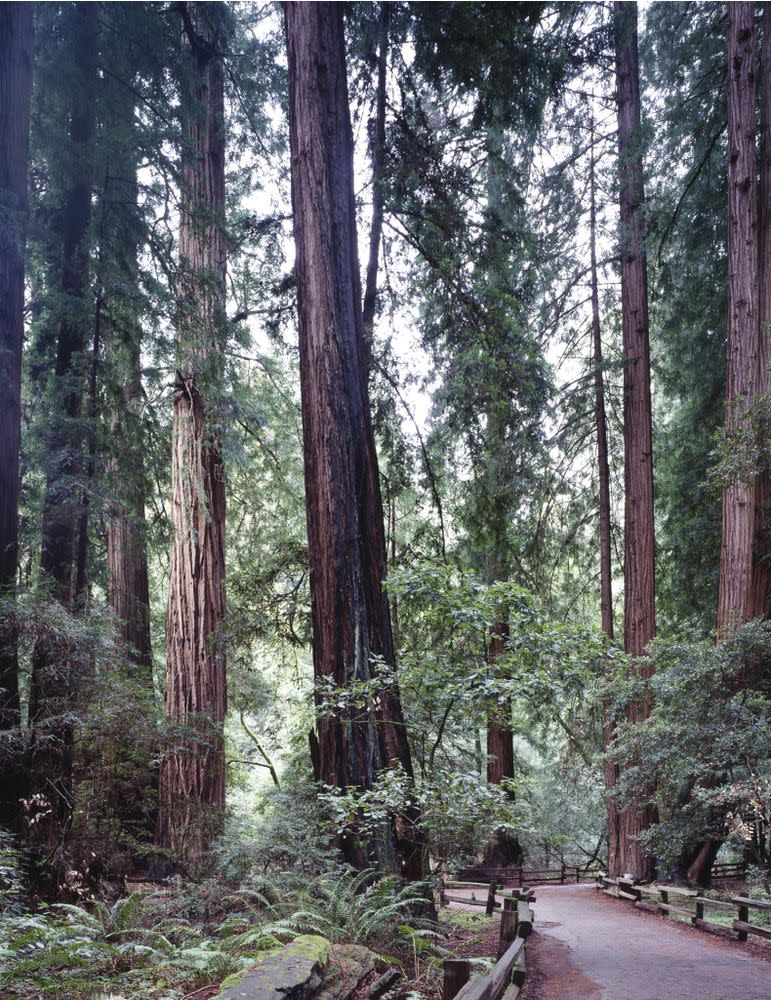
[(640, 896), (507, 977), (528, 876)]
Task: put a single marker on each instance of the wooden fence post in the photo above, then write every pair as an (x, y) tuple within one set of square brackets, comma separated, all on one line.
[(562, 873), (664, 899), (509, 926), (457, 972), (490, 908), (744, 915)]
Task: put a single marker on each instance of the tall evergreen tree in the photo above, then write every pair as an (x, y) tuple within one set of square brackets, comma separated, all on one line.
[(54, 671), (736, 560), (346, 541), (639, 554), (192, 784), (16, 38)]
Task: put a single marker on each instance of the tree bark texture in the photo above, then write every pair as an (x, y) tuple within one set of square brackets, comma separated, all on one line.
[(503, 848), (16, 43), (610, 769), (639, 555), (346, 538), (736, 554), (55, 669), (761, 591), (192, 784)]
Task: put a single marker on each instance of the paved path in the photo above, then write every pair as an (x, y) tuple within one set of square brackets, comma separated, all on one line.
[(595, 948)]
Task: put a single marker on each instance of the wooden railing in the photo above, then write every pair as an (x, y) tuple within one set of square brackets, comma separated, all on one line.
[(640, 895), (507, 976), (521, 876)]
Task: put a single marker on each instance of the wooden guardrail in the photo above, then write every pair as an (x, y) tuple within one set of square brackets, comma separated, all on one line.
[(528, 876), (640, 895), (507, 977)]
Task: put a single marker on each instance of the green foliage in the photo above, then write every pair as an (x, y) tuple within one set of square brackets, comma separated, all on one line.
[(702, 756)]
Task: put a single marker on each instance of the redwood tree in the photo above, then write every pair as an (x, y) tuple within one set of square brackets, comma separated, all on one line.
[(192, 784), (346, 539), (761, 593), (736, 556), (55, 669), (639, 562), (16, 37), (603, 469)]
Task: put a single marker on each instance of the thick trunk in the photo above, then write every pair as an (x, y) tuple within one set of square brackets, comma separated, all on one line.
[(736, 555), (192, 786), (54, 670), (16, 37), (606, 593), (346, 539), (639, 584), (761, 594)]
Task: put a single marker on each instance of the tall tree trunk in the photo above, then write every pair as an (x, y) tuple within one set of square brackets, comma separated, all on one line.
[(639, 555), (377, 144), (127, 575), (192, 785), (54, 670), (346, 538), (16, 38), (736, 559), (761, 592), (603, 469)]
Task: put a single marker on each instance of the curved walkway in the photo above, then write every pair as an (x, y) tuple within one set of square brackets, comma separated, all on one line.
[(595, 948)]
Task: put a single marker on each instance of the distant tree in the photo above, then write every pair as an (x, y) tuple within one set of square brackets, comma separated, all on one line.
[(639, 554), (16, 38), (192, 782)]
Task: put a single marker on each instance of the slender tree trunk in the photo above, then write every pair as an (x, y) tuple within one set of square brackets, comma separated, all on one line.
[(736, 560), (346, 538), (639, 555), (128, 585), (377, 143), (55, 670), (192, 786), (606, 572), (761, 592), (16, 38)]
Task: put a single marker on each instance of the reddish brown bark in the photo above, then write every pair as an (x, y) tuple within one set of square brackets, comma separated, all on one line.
[(639, 563), (500, 744), (610, 769), (54, 669), (346, 539), (503, 848), (16, 38), (761, 591), (736, 559), (192, 784)]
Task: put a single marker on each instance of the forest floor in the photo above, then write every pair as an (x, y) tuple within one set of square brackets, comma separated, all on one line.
[(587, 946)]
